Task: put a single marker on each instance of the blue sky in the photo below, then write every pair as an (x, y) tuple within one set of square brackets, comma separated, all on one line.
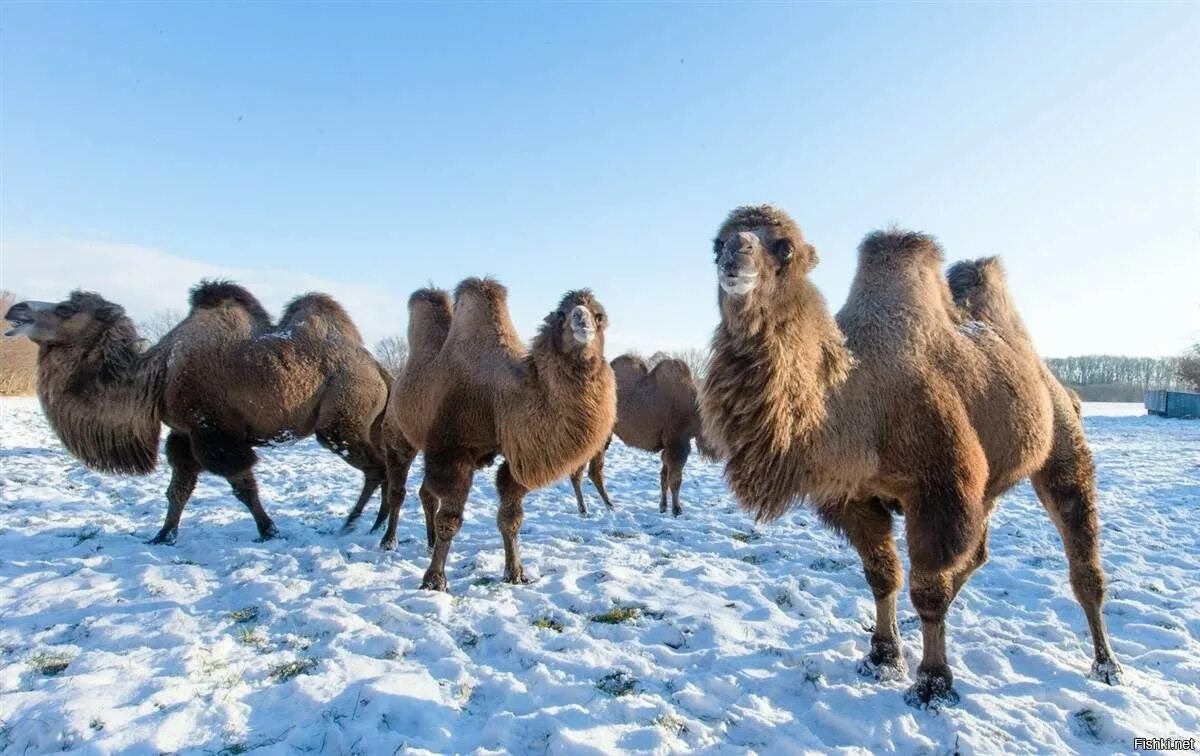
[(372, 149)]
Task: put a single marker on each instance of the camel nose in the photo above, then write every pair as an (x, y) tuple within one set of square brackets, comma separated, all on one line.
[(18, 311), (581, 318), (737, 254)]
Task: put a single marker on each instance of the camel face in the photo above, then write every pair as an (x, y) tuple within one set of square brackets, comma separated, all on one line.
[(75, 319), (738, 262), (758, 250), (581, 322)]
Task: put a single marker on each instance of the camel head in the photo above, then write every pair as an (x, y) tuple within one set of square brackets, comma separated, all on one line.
[(577, 325), (79, 319), (759, 253)]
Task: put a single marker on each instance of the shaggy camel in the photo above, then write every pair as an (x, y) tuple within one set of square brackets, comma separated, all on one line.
[(657, 411), (908, 403), (471, 390), (223, 381)]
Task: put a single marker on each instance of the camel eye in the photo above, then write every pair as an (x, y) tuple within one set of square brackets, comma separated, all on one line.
[(784, 250), (599, 318)]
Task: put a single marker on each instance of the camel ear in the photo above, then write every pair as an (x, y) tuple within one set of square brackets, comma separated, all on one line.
[(811, 258)]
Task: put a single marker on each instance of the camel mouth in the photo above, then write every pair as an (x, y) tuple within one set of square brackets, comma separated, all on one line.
[(739, 284), (20, 322)]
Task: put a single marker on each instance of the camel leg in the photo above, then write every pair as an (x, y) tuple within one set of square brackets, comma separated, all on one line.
[(596, 474), (577, 484), (509, 519), (245, 488), (371, 482), (384, 497), (397, 461), (449, 479), (978, 558), (944, 528), (185, 470), (429, 503), (676, 457), (1066, 487), (867, 524), (662, 484)]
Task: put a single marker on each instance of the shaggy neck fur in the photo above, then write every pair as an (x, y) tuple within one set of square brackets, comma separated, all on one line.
[(773, 368), (563, 413), (103, 398)]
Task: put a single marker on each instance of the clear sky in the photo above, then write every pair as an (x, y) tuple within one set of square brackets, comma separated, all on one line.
[(372, 149)]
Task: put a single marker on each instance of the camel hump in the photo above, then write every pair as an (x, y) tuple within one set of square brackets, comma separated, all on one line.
[(629, 363), (315, 304), (970, 278), (488, 289), (896, 246), (211, 294), (436, 298), (672, 370)]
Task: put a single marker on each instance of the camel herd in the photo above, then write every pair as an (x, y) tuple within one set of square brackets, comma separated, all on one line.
[(922, 397)]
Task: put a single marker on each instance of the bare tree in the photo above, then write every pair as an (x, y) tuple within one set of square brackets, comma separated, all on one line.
[(1188, 371), (18, 358), (392, 353), (696, 360), (159, 324)]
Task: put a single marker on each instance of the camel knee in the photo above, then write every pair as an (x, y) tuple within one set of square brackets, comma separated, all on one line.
[(931, 595), (448, 478), (447, 524)]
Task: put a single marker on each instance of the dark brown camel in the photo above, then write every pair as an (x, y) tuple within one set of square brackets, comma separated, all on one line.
[(224, 381)]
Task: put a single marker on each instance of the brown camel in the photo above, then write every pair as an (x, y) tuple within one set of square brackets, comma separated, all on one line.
[(657, 411), (224, 381), (906, 403), (471, 390)]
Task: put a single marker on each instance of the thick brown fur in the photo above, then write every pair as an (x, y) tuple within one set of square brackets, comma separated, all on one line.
[(908, 401), (223, 381), (472, 390), (657, 411)]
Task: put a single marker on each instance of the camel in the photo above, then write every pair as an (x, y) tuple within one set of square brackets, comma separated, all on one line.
[(471, 390), (224, 381), (657, 411), (907, 403)]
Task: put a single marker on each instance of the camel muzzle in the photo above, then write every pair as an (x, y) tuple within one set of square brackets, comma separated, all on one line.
[(22, 316), (583, 327)]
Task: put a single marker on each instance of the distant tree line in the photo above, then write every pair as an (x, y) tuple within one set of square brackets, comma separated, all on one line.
[(1109, 378)]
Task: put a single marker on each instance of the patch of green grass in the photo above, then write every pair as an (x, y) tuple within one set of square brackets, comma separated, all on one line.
[(619, 683), (746, 537), (49, 664), (233, 749), (617, 615), (547, 623), (622, 535), (86, 534), (286, 671), (96, 724), (247, 614)]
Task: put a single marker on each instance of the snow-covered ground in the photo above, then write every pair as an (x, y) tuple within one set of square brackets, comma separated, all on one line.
[(742, 638)]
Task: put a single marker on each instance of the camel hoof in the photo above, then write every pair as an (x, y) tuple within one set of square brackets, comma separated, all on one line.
[(376, 526), (676, 512), (931, 691), (347, 528), (609, 505), (388, 544), (583, 513), (164, 538), (434, 582), (268, 533), (1108, 672), (882, 669), (516, 578)]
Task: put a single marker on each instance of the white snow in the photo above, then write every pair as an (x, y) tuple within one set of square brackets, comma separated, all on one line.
[(747, 638)]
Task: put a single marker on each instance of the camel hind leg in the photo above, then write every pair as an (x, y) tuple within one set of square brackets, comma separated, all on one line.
[(596, 475), (185, 471), (577, 484), (371, 483), (448, 475), (397, 460), (1066, 487), (509, 519), (867, 524), (675, 457), (429, 503)]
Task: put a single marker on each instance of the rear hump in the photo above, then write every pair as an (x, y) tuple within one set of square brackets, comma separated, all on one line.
[(318, 305), (211, 294)]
